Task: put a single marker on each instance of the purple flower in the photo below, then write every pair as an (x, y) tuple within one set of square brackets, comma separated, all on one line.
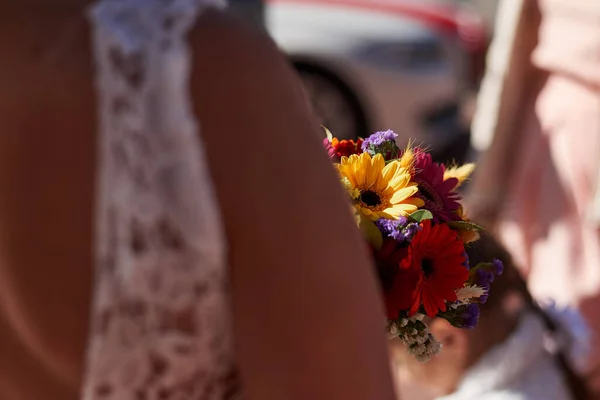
[(400, 230), (383, 143), (411, 230), (498, 266), (391, 227), (466, 263), (469, 316), (484, 277), (379, 138)]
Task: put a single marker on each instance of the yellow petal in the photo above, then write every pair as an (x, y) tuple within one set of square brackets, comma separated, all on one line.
[(359, 169), (408, 157), (402, 209), (378, 162), (417, 202), (388, 214), (366, 211), (468, 236), (390, 170), (370, 231), (328, 133), (462, 213), (370, 215), (374, 169), (346, 171), (461, 173), (387, 174), (403, 194), (401, 180)]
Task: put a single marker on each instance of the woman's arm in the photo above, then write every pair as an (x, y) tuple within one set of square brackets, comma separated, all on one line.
[(507, 95), (307, 314)]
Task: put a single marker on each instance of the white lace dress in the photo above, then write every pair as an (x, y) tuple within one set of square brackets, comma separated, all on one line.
[(160, 318)]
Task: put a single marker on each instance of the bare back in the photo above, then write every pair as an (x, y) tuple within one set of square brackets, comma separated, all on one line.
[(47, 153), (48, 184)]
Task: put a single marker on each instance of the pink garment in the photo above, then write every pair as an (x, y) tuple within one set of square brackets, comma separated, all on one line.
[(546, 218)]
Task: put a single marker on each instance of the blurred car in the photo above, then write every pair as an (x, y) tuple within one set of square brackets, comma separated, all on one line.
[(382, 64), (251, 11)]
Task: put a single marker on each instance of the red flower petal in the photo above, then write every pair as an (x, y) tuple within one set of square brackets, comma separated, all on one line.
[(437, 255), (402, 294), (345, 148), (425, 274)]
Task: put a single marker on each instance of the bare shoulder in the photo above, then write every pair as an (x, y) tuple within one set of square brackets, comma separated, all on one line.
[(222, 41), (251, 105), (241, 66)]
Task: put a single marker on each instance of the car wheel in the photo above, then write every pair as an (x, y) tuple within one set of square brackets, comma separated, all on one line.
[(334, 104)]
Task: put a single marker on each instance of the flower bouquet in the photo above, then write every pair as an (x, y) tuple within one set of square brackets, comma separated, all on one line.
[(409, 210)]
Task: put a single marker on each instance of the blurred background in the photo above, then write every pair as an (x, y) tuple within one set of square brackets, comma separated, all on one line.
[(412, 66), (416, 67)]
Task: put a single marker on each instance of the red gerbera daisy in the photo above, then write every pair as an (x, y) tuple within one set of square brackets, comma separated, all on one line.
[(399, 288), (436, 260)]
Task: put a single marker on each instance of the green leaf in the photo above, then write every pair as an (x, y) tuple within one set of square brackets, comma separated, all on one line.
[(421, 215), (371, 233), (465, 226)]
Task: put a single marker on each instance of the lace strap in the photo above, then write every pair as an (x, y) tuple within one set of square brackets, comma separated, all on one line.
[(160, 326)]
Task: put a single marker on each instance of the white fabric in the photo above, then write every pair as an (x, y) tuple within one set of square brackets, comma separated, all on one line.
[(160, 318), (574, 336), (594, 213), (521, 368)]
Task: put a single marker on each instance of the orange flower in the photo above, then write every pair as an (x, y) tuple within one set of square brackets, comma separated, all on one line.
[(345, 148)]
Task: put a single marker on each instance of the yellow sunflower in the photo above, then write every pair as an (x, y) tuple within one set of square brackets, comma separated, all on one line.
[(379, 190)]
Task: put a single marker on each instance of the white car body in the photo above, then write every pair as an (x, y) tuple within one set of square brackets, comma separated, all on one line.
[(397, 66)]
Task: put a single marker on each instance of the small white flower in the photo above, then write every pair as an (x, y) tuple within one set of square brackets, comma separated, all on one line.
[(435, 347), (409, 340), (418, 317), (393, 330), (469, 292)]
